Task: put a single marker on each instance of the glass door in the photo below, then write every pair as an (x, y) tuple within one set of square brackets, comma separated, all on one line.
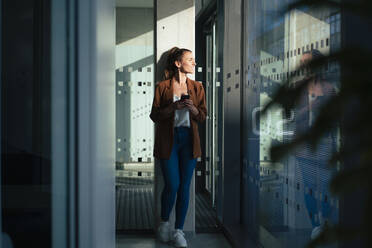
[(213, 99), (27, 181), (209, 121), (134, 129), (208, 205)]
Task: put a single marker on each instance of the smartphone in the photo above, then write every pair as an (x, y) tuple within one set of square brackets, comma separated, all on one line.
[(183, 97)]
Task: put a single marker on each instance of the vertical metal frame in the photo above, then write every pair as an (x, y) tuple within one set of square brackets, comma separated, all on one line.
[(95, 60), (243, 151), (1, 78), (231, 127), (209, 76), (208, 120), (83, 140), (63, 188), (220, 31), (213, 158), (211, 148)]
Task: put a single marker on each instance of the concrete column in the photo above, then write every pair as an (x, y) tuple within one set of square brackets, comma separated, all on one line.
[(175, 26)]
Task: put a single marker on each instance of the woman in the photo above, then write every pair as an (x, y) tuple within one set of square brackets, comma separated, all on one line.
[(313, 165), (177, 142)]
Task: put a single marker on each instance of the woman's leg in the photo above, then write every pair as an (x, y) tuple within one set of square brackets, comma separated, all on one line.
[(186, 168), (309, 177), (171, 177)]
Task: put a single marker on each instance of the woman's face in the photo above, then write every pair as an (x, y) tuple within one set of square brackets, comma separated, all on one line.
[(187, 63), (306, 58)]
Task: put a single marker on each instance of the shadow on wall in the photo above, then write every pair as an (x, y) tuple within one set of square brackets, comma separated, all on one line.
[(160, 66), (132, 23), (173, 7), (126, 17)]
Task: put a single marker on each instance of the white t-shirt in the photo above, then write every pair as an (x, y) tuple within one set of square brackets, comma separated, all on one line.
[(181, 116)]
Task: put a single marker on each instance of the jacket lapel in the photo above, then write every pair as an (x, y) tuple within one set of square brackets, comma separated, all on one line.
[(190, 89)]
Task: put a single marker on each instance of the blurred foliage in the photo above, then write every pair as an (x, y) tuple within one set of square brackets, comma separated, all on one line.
[(354, 122)]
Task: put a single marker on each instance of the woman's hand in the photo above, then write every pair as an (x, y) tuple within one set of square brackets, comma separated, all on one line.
[(179, 104), (190, 105)]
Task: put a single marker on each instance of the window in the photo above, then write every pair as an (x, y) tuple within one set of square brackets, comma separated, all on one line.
[(306, 30)]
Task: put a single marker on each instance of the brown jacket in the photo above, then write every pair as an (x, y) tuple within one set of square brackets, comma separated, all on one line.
[(164, 123)]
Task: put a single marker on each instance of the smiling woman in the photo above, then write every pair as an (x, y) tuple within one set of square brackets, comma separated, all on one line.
[(177, 142)]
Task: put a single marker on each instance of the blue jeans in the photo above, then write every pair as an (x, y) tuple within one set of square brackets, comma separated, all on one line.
[(177, 174), (316, 177)]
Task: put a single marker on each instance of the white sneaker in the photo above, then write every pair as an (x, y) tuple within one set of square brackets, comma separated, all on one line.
[(319, 229), (164, 231), (179, 238), (316, 231)]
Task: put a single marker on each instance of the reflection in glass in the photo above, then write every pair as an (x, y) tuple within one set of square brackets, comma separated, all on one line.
[(294, 198)]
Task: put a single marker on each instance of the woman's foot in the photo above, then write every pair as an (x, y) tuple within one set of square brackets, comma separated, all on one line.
[(164, 231), (318, 230), (179, 238)]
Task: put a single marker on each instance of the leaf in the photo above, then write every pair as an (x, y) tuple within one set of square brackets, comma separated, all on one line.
[(351, 179)]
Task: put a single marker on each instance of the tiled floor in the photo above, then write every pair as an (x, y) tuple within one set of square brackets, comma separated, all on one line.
[(215, 240), (135, 207)]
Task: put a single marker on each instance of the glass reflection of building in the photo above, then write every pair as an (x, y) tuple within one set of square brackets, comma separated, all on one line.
[(293, 195)]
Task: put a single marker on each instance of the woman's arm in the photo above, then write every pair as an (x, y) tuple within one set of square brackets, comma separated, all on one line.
[(159, 113), (198, 111)]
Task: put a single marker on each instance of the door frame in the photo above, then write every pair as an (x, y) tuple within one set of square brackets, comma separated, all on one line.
[(1, 76), (83, 123)]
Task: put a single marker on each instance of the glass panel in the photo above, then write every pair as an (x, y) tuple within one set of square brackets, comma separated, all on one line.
[(294, 199), (212, 146), (209, 123), (26, 199), (134, 128), (214, 120), (218, 126), (206, 198)]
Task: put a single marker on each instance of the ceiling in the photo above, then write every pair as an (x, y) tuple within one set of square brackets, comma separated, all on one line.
[(135, 3)]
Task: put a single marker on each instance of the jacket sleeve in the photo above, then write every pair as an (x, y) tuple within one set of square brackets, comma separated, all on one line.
[(157, 112), (200, 105)]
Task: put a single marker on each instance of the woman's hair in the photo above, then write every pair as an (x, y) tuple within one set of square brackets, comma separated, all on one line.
[(174, 54), (315, 54)]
